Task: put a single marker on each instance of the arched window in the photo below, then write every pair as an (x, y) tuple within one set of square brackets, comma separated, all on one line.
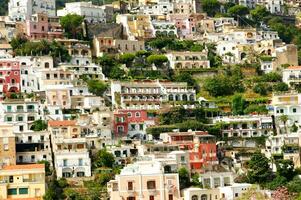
[(204, 197), (194, 197)]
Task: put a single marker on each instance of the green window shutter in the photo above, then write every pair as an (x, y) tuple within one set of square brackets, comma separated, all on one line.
[(12, 191), (23, 190)]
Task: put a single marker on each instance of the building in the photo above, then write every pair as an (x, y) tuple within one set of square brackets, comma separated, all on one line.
[(286, 104), (9, 77), (92, 13), (164, 28), (136, 26), (21, 10), (144, 180), (21, 113), (188, 60), (32, 147), (292, 76), (40, 26), (200, 145), (22, 181), (7, 145), (149, 94), (200, 193), (103, 45), (132, 123)]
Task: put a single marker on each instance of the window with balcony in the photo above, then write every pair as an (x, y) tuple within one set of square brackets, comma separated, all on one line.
[(151, 185)]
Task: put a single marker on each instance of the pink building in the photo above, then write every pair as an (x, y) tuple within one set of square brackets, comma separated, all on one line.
[(186, 24), (9, 77), (40, 26)]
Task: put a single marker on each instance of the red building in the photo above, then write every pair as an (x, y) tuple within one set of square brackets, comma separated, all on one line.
[(200, 145), (9, 77), (132, 122)]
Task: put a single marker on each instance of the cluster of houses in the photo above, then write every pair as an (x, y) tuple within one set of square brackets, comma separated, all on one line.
[(77, 123)]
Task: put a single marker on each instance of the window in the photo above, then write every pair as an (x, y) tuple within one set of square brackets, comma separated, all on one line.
[(170, 197), (129, 114), (5, 147), (23, 190), (65, 162), (151, 185), (151, 197), (9, 119), (80, 162), (137, 114), (194, 197), (21, 128), (12, 191), (20, 118), (8, 108), (236, 194), (130, 185), (294, 110)]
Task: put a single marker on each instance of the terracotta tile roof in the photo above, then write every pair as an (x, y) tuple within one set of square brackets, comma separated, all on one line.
[(29, 166), (62, 123), (294, 67)]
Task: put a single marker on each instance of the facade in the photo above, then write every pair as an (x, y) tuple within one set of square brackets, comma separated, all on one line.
[(22, 10), (92, 13), (292, 76), (40, 26), (10, 77), (103, 45), (145, 180), (200, 145), (132, 122), (7, 145), (149, 94), (188, 60), (22, 181), (164, 28)]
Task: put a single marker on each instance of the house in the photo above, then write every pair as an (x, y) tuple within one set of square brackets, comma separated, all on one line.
[(9, 77), (164, 28), (292, 76), (21, 113), (92, 13), (32, 147), (7, 145), (149, 94), (40, 26), (22, 181), (187, 60), (23, 10), (200, 145), (145, 179), (136, 26), (103, 45), (132, 123)]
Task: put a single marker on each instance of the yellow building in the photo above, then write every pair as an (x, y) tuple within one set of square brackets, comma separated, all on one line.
[(22, 181), (7, 145)]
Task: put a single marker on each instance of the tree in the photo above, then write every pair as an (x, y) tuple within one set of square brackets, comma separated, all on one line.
[(127, 59), (184, 178), (284, 119), (259, 13), (218, 85), (261, 89), (104, 159), (211, 7), (157, 60), (258, 168), (238, 104), (72, 194), (38, 125), (195, 180), (294, 185), (96, 87), (47, 166), (238, 10), (280, 87), (107, 63), (72, 25), (285, 168)]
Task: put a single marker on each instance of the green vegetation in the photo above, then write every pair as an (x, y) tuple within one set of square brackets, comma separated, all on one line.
[(96, 87), (38, 125), (72, 26)]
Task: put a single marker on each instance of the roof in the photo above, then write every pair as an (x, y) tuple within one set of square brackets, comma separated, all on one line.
[(294, 68), (23, 167), (62, 123)]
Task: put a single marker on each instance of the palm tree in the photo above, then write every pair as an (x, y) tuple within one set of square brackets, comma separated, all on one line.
[(284, 119)]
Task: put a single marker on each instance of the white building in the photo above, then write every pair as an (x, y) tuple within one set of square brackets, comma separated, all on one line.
[(92, 13), (32, 146), (20, 10), (162, 7), (165, 28), (292, 75), (234, 191)]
